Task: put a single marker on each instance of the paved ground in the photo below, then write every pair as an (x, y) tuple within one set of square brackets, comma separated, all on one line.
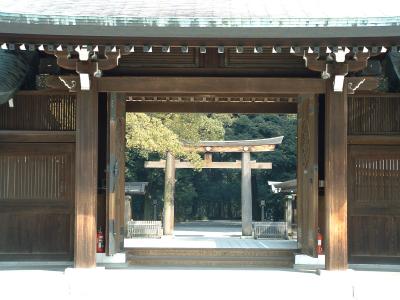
[(184, 283), (210, 234), (52, 281)]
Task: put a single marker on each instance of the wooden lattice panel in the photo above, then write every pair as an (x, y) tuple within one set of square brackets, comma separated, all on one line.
[(374, 203), (34, 176), (39, 112), (374, 115), (36, 201)]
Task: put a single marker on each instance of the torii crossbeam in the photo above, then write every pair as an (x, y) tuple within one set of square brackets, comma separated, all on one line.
[(209, 147)]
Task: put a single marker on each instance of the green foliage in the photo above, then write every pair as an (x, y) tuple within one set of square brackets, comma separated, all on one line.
[(211, 194), (158, 133)]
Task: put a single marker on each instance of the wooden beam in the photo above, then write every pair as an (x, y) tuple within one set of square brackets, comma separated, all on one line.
[(27, 136), (336, 178), (215, 107), (232, 149), (86, 179), (207, 165), (211, 85), (373, 140)]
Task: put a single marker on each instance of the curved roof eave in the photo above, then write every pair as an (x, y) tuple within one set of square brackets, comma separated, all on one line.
[(60, 33)]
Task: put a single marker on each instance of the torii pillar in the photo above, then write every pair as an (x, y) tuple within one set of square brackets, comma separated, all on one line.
[(247, 213), (169, 195)]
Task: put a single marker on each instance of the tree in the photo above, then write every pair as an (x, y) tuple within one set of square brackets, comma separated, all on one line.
[(152, 135), (159, 133)]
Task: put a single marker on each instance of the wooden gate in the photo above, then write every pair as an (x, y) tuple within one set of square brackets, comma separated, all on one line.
[(374, 178), (36, 200), (307, 174), (374, 203)]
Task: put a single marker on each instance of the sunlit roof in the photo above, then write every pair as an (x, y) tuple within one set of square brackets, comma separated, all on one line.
[(203, 13)]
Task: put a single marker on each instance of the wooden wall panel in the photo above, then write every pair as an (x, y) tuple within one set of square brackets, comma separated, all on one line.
[(273, 63), (36, 201), (49, 112), (374, 202), (157, 59), (374, 115)]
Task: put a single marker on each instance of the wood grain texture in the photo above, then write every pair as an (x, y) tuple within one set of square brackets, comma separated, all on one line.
[(115, 180), (29, 136), (86, 179), (307, 173), (374, 115), (211, 85), (215, 107), (335, 178), (36, 201), (47, 112), (374, 206)]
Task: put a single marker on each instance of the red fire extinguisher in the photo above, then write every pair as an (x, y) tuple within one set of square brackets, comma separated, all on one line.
[(320, 250), (100, 241)]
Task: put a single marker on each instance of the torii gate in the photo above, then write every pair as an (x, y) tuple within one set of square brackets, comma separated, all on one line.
[(209, 147)]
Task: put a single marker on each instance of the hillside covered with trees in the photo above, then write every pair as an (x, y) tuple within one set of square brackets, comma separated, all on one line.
[(209, 193)]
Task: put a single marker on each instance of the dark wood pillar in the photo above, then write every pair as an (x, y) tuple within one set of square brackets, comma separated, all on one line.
[(169, 191), (247, 216), (86, 179), (336, 178), (115, 183)]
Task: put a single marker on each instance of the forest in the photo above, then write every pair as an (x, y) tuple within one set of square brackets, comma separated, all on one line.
[(208, 193)]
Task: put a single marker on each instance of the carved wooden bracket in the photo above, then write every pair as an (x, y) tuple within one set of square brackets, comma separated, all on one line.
[(328, 65), (362, 84), (90, 66), (87, 64), (337, 65), (68, 82)]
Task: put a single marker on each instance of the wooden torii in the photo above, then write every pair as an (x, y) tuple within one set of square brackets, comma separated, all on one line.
[(209, 147)]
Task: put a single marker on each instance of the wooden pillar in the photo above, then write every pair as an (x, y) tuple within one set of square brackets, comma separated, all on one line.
[(86, 179), (336, 178), (115, 181), (169, 191), (289, 214), (247, 217)]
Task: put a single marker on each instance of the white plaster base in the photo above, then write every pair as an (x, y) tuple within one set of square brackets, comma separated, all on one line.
[(118, 258)]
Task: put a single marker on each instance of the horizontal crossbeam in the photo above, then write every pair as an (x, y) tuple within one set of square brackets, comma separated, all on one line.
[(207, 165)]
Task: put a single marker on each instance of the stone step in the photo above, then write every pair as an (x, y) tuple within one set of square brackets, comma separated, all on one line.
[(269, 258), (231, 252)]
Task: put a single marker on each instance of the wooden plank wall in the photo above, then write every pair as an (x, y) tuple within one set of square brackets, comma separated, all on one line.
[(374, 179), (37, 177), (39, 112)]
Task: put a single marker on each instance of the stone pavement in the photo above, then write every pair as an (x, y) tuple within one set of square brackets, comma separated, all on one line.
[(196, 283), (209, 234)]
